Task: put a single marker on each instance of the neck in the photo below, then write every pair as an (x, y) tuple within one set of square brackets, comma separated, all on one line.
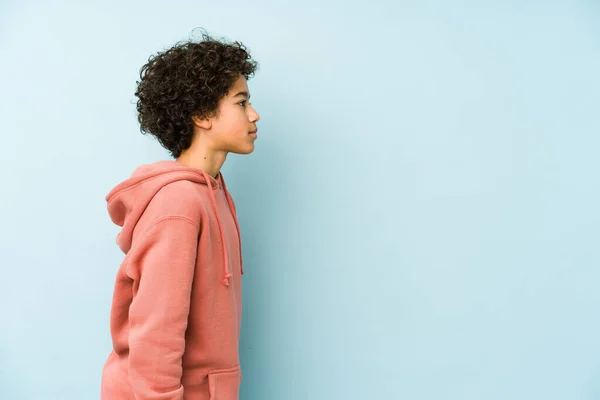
[(203, 158)]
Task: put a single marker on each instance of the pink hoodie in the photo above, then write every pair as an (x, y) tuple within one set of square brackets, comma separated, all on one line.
[(176, 310)]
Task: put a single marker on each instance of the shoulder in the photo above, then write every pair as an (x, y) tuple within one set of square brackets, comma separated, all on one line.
[(177, 199)]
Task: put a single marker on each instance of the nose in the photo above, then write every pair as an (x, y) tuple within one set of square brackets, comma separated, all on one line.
[(255, 117)]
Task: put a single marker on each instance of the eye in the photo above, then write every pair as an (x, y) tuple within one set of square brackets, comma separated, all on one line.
[(243, 101)]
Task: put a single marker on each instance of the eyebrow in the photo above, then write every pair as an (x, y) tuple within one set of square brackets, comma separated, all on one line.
[(244, 94)]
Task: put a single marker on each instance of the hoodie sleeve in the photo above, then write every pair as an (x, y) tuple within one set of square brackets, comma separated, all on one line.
[(162, 270)]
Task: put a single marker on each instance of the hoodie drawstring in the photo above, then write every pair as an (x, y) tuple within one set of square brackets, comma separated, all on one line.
[(227, 275), (232, 208)]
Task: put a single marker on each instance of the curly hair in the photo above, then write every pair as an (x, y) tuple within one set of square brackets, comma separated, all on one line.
[(188, 79)]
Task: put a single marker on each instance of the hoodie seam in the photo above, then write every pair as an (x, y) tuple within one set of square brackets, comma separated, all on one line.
[(128, 188), (158, 221)]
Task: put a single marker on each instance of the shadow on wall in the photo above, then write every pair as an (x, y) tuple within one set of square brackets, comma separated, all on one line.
[(8, 384), (594, 390), (265, 190)]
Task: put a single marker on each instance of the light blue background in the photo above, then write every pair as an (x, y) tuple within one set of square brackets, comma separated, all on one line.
[(420, 217)]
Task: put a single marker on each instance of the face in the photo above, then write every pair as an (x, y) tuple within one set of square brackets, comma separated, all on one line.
[(232, 128)]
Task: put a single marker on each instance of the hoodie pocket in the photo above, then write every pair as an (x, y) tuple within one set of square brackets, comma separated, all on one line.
[(224, 384)]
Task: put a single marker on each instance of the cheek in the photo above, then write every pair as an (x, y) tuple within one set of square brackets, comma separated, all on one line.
[(239, 121), (230, 120), (235, 126), (233, 121)]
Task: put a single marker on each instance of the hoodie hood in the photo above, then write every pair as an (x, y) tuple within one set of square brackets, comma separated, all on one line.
[(127, 201)]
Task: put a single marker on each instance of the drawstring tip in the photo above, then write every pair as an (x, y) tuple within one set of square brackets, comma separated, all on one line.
[(226, 279)]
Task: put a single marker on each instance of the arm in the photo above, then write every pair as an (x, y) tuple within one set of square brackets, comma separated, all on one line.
[(163, 271)]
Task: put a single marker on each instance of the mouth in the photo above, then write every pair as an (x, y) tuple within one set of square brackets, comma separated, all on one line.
[(253, 133)]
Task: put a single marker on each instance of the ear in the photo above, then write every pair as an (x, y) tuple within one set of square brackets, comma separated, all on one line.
[(204, 123)]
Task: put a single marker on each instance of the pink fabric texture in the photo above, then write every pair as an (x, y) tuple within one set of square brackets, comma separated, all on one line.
[(176, 309)]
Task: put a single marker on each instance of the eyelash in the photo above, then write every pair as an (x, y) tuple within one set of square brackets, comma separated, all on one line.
[(244, 101)]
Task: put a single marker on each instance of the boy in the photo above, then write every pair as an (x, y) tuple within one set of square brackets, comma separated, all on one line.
[(176, 309)]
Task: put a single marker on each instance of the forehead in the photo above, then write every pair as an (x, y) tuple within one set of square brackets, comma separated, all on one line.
[(239, 88)]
